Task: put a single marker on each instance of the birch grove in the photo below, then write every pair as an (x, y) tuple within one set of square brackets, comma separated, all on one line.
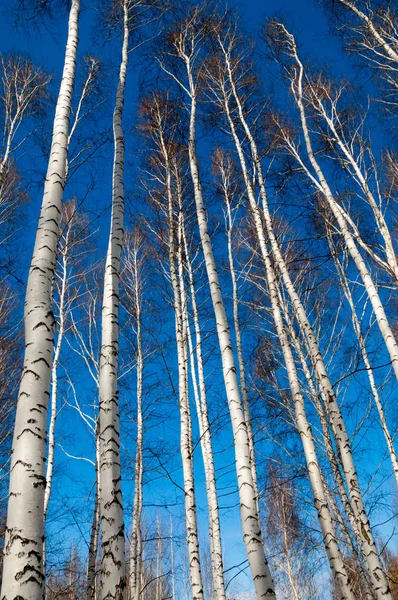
[(201, 315)]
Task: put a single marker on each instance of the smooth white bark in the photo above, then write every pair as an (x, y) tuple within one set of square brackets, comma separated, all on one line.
[(238, 336), (185, 414), (376, 33), (320, 502), (365, 357), (332, 118)]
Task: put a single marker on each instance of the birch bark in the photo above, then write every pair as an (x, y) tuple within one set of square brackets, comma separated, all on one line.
[(113, 578), (391, 54), (23, 575), (136, 537), (238, 337), (334, 124), (205, 436), (158, 109), (304, 429), (185, 417), (248, 505), (365, 357)]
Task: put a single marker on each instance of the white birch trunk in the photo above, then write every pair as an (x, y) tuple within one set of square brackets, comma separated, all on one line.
[(23, 575), (238, 337), (205, 436), (368, 546), (54, 388), (390, 262), (113, 577), (185, 418), (173, 592), (338, 518), (136, 537), (336, 563), (392, 55), (247, 495)]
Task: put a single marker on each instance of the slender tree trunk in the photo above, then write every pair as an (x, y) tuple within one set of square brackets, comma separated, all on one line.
[(205, 436), (353, 548), (186, 438), (54, 389), (287, 546), (365, 357), (23, 575), (324, 418), (390, 262), (390, 52), (247, 495), (173, 593), (136, 537), (239, 347), (175, 256), (113, 577)]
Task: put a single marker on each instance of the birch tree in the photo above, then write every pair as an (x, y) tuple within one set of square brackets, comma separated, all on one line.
[(200, 392), (24, 90), (23, 560), (341, 268), (113, 576), (186, 42), (132, 282), (353, 149), (162, 132)]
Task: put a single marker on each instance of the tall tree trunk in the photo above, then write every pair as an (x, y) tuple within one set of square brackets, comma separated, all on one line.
[(238, 336), (247, 495), (23, 575), (359, 176), (205, 436), (136, 536), (54, 387), (172, 568), (365, 357), (113, 577), (320, 502), (175, 257)]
